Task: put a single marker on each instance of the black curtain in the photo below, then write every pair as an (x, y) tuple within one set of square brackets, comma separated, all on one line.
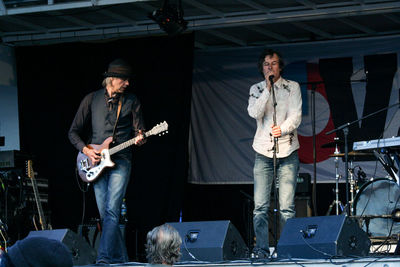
[(53, 79)]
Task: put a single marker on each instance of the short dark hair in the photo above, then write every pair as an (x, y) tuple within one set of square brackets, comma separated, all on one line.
[(269, 52)]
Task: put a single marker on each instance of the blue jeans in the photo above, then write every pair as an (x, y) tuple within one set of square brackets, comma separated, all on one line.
[(110, 190), (286, 169)]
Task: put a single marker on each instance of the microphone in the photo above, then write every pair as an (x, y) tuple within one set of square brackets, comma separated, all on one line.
[(361, 174), (271, 78)]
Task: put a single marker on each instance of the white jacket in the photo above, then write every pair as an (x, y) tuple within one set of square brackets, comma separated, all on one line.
[(288, 116)]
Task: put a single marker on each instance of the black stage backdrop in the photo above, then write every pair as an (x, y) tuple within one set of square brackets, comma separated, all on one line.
[(53, 79)]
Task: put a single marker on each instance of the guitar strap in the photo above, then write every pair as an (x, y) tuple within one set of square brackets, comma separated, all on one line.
[(116, 121)]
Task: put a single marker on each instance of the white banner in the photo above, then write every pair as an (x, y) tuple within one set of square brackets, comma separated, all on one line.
[(353, 79)]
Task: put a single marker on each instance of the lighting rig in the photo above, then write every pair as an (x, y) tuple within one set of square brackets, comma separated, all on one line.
[(170, 18)]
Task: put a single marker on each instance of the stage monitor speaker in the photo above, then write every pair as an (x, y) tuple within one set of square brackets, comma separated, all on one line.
[(82, 253), (210, 241), (322, 237)]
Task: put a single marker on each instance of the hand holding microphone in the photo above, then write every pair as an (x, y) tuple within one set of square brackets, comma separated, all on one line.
[(276, 131), (270, 79)]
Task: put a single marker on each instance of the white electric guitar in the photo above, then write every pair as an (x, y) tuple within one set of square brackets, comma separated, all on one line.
[(89, 172)]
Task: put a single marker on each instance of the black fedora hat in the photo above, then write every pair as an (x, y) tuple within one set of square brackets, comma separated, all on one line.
[(119, 68)]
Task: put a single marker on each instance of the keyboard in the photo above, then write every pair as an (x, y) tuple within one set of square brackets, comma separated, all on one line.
[(393, 142)]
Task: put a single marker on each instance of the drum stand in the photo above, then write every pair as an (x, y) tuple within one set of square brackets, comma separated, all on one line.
[(352, 188), (336, 202)]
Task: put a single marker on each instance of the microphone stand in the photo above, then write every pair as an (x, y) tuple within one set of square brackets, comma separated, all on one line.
[(345, 128), (314, 143), (275, 151)]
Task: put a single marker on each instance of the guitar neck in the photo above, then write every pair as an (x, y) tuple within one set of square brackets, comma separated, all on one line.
[(159, 128), (126, 144), (38, 204)]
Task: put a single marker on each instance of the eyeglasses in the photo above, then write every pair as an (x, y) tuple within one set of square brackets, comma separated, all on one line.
[(273, 63)]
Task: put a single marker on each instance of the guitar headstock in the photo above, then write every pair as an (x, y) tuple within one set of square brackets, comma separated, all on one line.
[(29, 169), (160, 129)]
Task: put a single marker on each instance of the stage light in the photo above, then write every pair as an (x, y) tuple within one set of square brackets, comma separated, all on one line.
[(170, 18)]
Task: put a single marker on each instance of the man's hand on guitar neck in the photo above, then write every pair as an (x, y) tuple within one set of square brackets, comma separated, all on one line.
[(93, 154), (141, 140)]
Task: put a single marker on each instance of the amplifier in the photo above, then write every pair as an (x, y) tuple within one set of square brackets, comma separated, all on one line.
[(303, 184), (13, 159)]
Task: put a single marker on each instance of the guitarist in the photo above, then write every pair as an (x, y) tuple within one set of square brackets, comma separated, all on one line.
[(110, 111)]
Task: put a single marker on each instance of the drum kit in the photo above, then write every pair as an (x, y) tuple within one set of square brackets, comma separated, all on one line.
[(375, 202)]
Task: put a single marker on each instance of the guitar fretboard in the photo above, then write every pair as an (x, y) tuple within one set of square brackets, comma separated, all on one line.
[(123, 145), (159, 128)]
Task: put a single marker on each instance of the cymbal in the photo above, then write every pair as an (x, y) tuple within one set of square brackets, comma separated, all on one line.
[(333, 144), (356, 156), (353, 154)]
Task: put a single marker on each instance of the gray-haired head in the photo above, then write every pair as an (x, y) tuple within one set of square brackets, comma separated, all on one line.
[(163, 245)]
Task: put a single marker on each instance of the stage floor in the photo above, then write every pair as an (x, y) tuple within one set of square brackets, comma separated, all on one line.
[(382, 261), (382, 255)]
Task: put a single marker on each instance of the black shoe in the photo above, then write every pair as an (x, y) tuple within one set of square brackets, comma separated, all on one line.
[(259, 254)]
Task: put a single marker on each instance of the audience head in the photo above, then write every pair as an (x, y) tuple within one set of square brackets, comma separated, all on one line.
[(163, 245), (39, 251)]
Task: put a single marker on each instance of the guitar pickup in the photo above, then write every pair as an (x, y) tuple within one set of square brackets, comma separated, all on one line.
[(84, 165)]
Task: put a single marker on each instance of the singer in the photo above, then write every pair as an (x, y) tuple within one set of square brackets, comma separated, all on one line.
[(288, 118)]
